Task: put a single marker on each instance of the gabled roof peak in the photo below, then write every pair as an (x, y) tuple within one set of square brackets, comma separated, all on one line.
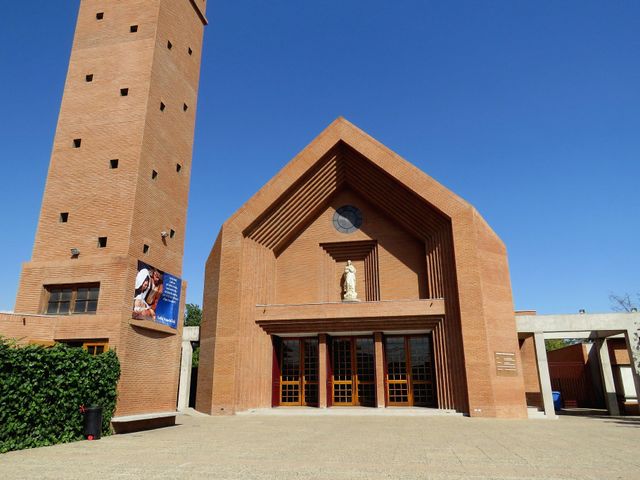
[(324, 160)]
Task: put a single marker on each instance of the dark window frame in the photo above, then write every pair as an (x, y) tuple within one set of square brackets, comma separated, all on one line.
[(72, 299)]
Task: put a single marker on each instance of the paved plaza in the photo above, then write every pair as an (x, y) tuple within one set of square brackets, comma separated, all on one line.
[(257, 446)]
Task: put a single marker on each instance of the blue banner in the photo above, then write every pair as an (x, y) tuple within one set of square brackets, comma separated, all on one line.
[(157, 296)]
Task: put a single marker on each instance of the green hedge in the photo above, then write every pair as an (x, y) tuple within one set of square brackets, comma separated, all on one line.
[(41, 390)]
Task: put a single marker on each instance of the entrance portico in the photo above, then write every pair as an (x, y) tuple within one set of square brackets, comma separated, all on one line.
[(368, 354), (361, 369)]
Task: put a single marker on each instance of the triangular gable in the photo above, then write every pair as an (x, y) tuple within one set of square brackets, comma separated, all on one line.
[(344, 153)]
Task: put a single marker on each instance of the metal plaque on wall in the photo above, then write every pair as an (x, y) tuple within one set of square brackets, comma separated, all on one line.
[(506, 364)]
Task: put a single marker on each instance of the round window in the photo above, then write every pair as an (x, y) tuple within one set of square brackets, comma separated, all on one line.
[(347, 219)]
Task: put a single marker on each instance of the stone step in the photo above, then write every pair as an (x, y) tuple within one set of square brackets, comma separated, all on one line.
[(352, 411)]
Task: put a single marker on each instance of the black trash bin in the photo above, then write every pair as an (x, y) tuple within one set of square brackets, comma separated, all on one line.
[(92, 422)]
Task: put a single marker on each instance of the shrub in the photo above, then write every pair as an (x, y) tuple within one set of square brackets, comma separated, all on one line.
[(42, 389)]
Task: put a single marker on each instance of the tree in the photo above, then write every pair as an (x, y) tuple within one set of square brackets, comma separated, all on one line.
[(192, 315), (556, 343), (195, 359), (624, 302)]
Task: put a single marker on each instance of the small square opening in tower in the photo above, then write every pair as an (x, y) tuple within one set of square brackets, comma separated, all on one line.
[(185, 107), (133, 28), (124, 92), (154, 174), (190, 51), (178, 167), (102, 242), (113, 163), (64, 217), (99, 15), (77, 142), (162, 106), (172, 233), (169, 45), (145, 249), (89, 78)]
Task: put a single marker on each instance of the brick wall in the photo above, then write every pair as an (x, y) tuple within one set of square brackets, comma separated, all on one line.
[(530, 372), (127, 58)]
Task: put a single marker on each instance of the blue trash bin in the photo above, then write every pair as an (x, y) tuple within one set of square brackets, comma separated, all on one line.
[(557, 400)]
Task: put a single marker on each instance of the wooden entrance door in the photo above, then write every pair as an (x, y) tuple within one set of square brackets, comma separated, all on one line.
[(354, 374), (299, 371), (409, 371)]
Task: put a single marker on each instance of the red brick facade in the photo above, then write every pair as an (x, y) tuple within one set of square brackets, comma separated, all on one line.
[(426, 261)]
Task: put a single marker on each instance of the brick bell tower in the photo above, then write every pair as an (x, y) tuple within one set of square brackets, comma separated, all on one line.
[(117, 190)]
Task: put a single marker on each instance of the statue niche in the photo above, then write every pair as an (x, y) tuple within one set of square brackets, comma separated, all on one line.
[(349, 283)]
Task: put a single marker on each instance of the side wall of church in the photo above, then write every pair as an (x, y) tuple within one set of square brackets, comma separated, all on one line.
[(500, 321)]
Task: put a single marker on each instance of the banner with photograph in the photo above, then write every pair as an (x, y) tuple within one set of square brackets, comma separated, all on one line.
[(157, 296)]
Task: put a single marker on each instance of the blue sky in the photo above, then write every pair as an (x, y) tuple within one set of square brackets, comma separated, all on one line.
[(530, 110)]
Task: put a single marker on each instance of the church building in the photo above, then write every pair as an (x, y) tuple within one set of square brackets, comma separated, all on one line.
[(352, 278)]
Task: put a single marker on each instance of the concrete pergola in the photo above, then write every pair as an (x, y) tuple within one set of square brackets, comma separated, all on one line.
[(596, 327)]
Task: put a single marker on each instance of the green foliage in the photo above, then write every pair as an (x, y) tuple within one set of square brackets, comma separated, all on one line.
[(192, 315), (555, 344), (41, 390), (195, 360)]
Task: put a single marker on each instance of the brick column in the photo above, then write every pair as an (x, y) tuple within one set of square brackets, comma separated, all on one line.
[(322, 370), (380, 397)]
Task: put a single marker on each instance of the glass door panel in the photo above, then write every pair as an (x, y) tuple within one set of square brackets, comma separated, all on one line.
[(365, 372), (397, 378), (421, 372), (310, 372), (409, 376), (290, 373), (354, 372), (299, 372), (342, 372)]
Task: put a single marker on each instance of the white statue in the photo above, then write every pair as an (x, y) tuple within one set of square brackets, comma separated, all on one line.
[(349, 287)]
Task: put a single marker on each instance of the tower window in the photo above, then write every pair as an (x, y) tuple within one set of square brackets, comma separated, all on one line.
[(77, 142), (178, 167), (69, 299), (154, 174), (172, 233), (64, 217), (169, 45), (190, 51), (102, 242), (124, 92), (133, 28), (113, 163), (145, 249), (99, 15), (89, 78), (162, 106), (185, 107)]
